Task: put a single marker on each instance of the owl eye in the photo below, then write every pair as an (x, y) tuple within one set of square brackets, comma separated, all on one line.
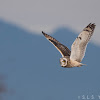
[(64, 61)]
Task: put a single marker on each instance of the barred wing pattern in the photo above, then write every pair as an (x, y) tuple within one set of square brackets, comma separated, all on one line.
[(60, 47)]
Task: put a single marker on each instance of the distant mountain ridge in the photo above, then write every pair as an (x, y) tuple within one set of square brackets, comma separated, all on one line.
[(32, 65)]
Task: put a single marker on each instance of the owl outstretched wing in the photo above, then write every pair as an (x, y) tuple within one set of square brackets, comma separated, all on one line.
[(60, 47), (78, 48)]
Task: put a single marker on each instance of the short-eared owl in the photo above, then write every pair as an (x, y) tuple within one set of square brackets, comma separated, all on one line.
[(74, 57)]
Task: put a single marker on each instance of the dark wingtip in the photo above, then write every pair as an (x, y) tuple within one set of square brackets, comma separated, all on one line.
[(92, 26), (43, 33), (46, 35)]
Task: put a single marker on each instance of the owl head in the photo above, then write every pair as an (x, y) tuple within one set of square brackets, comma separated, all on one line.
[(63, 62)]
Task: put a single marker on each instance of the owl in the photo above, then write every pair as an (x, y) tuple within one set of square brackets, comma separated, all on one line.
[(74, 57)]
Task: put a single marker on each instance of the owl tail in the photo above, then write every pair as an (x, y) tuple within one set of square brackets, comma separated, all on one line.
[(81, 65)]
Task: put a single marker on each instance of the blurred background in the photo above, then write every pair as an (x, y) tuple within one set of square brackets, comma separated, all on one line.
[(29, 64)]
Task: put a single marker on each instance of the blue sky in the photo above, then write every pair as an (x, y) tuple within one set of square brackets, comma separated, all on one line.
[(32, 70)]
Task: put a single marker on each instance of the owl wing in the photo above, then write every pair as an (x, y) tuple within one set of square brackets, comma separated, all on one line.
[(60, 47), (78, 48)]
